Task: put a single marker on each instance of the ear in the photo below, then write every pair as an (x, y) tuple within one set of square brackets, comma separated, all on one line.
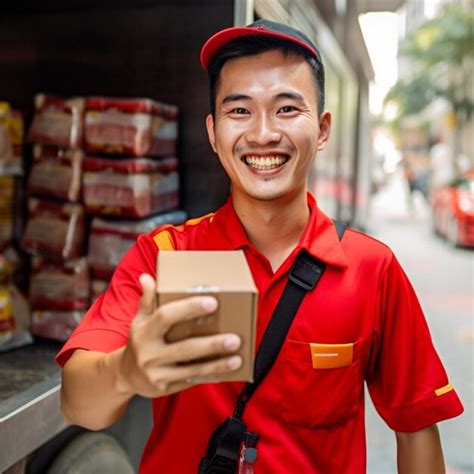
[(324, 129), (210, 131)]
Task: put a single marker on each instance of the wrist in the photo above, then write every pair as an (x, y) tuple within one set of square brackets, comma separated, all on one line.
[(112, 362)]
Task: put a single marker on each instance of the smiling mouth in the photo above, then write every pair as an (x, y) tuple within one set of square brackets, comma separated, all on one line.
[(265, 163)]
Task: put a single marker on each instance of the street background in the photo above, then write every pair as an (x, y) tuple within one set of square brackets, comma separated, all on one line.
[(442, 276)]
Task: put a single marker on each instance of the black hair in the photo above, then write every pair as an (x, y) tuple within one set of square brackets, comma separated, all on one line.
[(257, 44)]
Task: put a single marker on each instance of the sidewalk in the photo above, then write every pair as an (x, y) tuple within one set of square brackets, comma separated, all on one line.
[(443, 278)]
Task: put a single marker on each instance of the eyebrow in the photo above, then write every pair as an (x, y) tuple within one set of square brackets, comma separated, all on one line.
[(290, 95), (235, 97), (282, 95)]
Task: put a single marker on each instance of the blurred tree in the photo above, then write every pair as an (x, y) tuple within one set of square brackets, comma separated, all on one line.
[(442, 51)]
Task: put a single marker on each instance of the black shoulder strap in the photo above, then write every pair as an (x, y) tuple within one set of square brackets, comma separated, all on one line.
[(303, 277)]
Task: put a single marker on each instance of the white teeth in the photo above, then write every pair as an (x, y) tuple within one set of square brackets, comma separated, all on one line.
[(265, 162)]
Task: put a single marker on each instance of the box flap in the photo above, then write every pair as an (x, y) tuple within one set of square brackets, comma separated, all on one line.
[(204, 271)]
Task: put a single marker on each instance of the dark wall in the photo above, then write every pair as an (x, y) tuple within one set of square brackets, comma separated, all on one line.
[(141, 49)]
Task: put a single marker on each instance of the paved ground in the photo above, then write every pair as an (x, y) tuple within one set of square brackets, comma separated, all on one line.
[(443, 278)]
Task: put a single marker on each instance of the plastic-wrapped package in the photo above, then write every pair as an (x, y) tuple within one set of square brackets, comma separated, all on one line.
[(133, 127), (62, 286), (55, 325), (135, 187), (57, 121), (7, 193), (14, 311), (56, 173), (54, 229), (11, 140), (109, 240)]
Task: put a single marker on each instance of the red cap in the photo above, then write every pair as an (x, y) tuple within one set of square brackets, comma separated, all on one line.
[(260, 27)]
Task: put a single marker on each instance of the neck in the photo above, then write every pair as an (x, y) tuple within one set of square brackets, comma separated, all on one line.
[(273, 227)]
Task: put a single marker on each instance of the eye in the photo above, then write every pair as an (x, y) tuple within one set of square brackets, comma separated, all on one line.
[(287, 109), (240, 111)]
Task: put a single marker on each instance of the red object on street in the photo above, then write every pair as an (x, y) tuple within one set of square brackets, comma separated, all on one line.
[(453, 210)]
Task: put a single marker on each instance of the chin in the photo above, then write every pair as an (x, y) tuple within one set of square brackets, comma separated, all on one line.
[(266, 196)]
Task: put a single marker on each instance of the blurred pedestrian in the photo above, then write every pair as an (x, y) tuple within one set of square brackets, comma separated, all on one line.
[(442, 165)]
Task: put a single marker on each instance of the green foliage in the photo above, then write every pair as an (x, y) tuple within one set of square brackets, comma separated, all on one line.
[(442, 51), (412, 94), (448, 38)]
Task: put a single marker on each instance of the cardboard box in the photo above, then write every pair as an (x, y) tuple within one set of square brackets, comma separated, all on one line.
[(224, 275)]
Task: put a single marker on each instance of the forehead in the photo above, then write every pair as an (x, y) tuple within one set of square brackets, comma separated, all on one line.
[(266, 74)]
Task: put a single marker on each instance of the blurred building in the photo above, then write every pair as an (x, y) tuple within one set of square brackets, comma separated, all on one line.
[(438, 122)]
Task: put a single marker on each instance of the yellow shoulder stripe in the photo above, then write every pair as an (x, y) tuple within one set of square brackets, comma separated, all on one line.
[(443, 390), (197, 220), (163, 240)]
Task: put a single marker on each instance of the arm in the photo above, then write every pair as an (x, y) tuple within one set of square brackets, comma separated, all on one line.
[(97, 387), (420, 452)]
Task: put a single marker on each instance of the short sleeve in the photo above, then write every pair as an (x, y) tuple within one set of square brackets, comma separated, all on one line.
[(406, 379), (106, 325)]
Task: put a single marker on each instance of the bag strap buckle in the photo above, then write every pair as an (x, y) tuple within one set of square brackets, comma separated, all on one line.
[(305, 272)]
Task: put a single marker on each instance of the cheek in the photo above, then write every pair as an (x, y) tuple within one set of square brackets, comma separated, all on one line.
[(306, 140), (227, 134)]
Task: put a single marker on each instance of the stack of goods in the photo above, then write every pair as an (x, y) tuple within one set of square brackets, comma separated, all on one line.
[(136, 187), (55, 233), (7, 194), (11, 169), (112, 160), (59, 292), (14, 310), (129, 172), (11, 140), (56, 173), (130, 127), (110, 239), (57, 122), (137, 173)]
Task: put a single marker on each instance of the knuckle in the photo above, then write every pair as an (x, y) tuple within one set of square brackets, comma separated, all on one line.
[(142, 361), (157, 380), (218, 345), (222, 366), (186, 352), (162, 386)]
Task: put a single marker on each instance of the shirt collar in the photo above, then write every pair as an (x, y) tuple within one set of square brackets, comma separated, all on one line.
[(225, 231), (319, 238)]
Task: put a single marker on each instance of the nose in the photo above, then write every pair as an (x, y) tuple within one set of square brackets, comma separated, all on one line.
[(262, 131)]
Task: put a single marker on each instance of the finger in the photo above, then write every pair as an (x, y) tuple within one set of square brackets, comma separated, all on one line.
[(148, 297), (182, 310), (199, 347), (200, 372)]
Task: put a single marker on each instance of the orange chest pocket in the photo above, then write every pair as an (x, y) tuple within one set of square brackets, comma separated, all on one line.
[(331, 356)]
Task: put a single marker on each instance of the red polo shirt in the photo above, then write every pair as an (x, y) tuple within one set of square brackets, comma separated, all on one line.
[(362, 322)]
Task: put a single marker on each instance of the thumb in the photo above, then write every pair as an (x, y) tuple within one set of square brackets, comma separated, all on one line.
[(148, 297)]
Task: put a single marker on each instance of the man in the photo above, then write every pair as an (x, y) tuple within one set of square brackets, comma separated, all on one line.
[(267, 124)]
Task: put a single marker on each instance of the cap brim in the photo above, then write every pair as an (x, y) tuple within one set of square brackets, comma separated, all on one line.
[(221, 38)]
